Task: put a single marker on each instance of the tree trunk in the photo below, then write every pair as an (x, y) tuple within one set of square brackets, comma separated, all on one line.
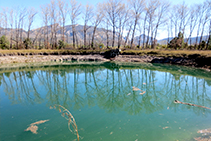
[(93, 36), (128, 35), (134, 28), (85, 36)]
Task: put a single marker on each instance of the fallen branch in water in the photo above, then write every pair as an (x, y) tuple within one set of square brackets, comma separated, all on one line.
[(68, 116), (177, 101)]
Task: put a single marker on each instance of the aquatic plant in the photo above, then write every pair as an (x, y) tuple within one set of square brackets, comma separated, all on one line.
[(69, 117)]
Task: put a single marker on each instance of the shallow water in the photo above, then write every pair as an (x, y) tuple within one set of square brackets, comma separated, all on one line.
[(103, 102)]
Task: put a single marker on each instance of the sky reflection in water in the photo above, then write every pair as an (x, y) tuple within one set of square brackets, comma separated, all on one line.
[(103, 102)]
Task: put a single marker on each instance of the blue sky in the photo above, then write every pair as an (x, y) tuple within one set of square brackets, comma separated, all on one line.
[(37, 3)]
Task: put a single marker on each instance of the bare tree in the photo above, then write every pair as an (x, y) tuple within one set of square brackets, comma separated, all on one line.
[(75, 11), (144, 28), (1, 19), (54, 23), (88, 15), (151, 15), (5, 20), (174, 16), (46, 16), (11, 19), (209, 38), (193, 21), (130, 23), (162, 9), (123, 17), (206, 15), (22, 21), (183, 11), (97, 19), (19, 19), (137, 7), (106, 30), (111, 8), (31, 15), (63, 9)]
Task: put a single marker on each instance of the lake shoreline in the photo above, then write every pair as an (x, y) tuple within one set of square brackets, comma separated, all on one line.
[(194, 60)]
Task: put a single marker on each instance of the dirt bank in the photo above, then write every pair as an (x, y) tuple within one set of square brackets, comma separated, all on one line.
[(191, 60)]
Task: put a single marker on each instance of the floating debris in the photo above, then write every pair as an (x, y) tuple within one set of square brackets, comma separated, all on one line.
[(129, 94), (39, 122), (33, 126), (204, 131), (165, 127), (136, 89), (143, 92)]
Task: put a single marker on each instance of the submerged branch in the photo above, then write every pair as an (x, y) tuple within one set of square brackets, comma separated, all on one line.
[(177, 101), (68, 116)]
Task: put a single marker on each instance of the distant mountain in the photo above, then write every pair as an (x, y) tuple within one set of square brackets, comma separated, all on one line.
[(136, 39), (100, 35), (192, 39)]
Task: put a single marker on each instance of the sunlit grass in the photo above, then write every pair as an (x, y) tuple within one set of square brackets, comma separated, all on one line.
[(152, 52), (169, 53)]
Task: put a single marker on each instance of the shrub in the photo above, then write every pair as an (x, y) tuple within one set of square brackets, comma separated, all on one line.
[(101, 45), (4, 43), (202, 45), (177, 42), (28, 43), (61, 44)]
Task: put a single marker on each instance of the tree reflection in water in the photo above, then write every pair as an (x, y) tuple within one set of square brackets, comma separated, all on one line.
[(110, 87)]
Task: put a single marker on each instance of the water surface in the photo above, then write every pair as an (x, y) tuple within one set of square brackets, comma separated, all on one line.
[(104, 103)]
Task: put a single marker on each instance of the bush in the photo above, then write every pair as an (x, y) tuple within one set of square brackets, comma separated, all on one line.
[(4, 43), (101, 45), (28, 43), (202, 45), (61, 44), (177, 42)]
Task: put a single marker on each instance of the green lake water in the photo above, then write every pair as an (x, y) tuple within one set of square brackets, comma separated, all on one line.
[(102, 100)]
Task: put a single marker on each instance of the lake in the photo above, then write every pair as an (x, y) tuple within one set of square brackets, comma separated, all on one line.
[(109, 102)]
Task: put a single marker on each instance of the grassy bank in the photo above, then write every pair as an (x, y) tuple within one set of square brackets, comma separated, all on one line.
[(169, 53), (160, 53)]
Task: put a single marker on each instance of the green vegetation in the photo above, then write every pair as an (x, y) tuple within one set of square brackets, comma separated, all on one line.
[(28, 43), (4, 43)]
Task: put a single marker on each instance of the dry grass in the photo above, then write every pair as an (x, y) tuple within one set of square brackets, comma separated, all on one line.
[(169, 53), (155, 52), (48, 51)]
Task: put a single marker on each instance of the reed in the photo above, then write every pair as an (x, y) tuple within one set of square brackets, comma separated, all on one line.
[(69, 117)]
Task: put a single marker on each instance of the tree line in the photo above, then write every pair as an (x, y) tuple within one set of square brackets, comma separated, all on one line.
[(131, 23)]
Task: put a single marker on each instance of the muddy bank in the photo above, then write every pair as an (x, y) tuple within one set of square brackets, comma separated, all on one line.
[(193, 60)]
